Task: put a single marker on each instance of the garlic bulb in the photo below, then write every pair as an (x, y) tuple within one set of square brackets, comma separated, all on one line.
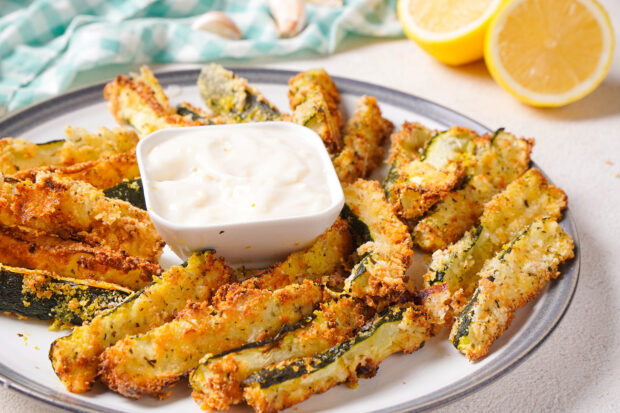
[(218, 23), (290, 16)]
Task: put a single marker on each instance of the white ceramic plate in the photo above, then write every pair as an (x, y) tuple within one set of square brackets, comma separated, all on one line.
[(435, 375)]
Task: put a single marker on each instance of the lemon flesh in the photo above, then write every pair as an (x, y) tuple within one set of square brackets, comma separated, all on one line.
[(549, 52)]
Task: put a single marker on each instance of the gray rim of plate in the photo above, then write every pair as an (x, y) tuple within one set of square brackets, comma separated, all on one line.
[(556, 300)]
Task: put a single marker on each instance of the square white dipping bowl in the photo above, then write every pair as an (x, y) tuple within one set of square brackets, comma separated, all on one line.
[(252, 243)]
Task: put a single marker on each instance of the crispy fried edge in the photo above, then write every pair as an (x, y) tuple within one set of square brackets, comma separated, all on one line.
[(103, 173), (364, 136), (75, 209), (21, 247)]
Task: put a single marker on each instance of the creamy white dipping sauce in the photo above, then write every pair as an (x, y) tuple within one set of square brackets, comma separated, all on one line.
[(226, 176)]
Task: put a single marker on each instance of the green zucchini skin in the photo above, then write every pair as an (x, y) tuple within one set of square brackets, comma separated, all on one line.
[(429, 145), (437, 275), (361, 235), (187, 111), (358, 270), (464, 319), (496, 133), (359, 230), (128, 191), (391, 178), (38, 294), (53, 144)]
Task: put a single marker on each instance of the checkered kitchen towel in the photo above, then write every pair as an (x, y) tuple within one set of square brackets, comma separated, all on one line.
[(45, 43)]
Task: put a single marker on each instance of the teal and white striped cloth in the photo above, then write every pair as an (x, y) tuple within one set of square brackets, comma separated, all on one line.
[(44, 44)]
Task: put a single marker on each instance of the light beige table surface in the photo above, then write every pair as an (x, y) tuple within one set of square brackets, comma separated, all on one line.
[(577, 369)]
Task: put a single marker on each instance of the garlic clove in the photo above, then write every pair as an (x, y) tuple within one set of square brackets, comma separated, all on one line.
[(289, 15), (217, 23)]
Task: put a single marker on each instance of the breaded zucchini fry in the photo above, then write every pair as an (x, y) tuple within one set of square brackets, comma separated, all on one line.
[(104, 173), (148, 363), (364, 136), (45, 296), (285, 384), (79, 146), (302, 83), (22, 247), (140, 101), (526, 199), (314, 99), (414, 187), (83, 146), (232, 98), (327, 255), (17, 154), (380, 274), (499, 159), (513, 277), (217, 380), (74, 209), (408, 143), (75, 358)]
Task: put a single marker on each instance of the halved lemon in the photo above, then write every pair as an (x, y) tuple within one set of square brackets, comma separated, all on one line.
[(549, 52), (452, 31)]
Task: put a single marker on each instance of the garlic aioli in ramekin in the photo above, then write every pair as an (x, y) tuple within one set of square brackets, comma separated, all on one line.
[(221, 176)]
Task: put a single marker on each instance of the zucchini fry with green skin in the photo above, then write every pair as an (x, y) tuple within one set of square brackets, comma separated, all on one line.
[(414, 187), (17, 154), (499, 159), (232, 98), (526, 199), (75, 358), (148, 363), (314, 99), (104, 173), (408, 143), (22, 247), (380, 274), (130, 191), (510, 280), (285, 384), (364, 136), (79, 146), (140, 101), (302, 83), (327, 255), (77, 210), (196, 114), (45, 296), (83, 146), (217, 380)]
